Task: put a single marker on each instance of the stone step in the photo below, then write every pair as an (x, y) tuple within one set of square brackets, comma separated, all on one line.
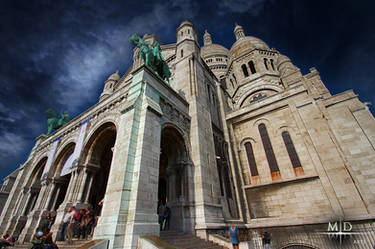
[(60, 244), (187, 241)]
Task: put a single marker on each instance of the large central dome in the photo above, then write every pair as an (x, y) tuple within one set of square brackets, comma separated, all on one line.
[(213, 49)]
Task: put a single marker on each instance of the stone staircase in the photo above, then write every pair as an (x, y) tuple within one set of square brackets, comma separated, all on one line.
[(187, 241), (81, 244)]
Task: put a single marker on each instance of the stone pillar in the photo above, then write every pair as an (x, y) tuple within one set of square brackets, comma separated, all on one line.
[(72, 185), (130, 202), (82, 187), (91, 178), (54, 202), (51, 194)]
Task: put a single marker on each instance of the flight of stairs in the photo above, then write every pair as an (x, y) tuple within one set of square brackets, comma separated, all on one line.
[(187, 241), (61, 244)]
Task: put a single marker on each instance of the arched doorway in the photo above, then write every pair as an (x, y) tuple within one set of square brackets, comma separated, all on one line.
[(99, 151), (173, 187), (62, 175), (31, 194)]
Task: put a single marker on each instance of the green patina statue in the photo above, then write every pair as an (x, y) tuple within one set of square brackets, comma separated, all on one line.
[(54, 122), (152, 57)]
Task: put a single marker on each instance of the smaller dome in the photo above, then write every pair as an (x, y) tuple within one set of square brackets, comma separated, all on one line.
[(186, 22), (115, 76), (245, 44), (213, 49), (281, 59)]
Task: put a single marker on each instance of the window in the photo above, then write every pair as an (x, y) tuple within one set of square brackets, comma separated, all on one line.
[(273, 66), (265, 63), (291, 150), (208, 93), (270, 155), (252, 67), (182, 53), (188, 31), (182, 33), (251, 159), (244, 70)]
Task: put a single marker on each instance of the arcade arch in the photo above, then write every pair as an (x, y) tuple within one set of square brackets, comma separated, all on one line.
[(97, 156), (174, 177)]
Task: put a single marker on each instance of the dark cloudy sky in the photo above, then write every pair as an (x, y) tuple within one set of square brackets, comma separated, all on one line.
[(59, 53)]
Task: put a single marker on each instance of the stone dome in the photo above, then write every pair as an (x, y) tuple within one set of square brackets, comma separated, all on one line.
[(213, 49), (281, 59), (186, 22), (115, 76), (246, 44)]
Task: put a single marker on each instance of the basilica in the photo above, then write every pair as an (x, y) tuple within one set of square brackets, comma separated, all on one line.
[(238, 135)]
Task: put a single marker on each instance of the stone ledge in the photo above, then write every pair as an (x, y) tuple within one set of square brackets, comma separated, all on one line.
[(152, 241), (298, 179)]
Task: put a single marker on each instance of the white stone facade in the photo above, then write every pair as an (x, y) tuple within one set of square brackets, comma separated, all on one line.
[(239, 135)]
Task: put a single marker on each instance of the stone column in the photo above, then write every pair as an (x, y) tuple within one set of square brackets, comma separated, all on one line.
[(82, 187), (130, 202), (91, 178), (72, 185), (56, 197), (51, 194)]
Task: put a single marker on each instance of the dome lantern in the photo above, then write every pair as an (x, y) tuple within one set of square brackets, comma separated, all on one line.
[(207, 38), (238, 32)]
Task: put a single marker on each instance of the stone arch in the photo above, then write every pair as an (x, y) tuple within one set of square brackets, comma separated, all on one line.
[(244, 140), (97, 158), (182, 132), (175, 182), (266, 86), (62, 155), (95, 125), (298, 246), (36, 173)]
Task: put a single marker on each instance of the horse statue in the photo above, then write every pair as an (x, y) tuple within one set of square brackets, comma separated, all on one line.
[(152, 57), (54, 122)]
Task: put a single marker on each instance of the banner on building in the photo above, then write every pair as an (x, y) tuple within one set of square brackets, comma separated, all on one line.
[(72, 161), (51, 155)]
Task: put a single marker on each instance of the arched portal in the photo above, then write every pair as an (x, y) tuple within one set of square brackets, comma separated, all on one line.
[(62, 175), (173, 177), (99, 151)]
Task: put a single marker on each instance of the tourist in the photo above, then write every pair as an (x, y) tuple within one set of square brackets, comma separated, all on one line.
[(161, 209), (65, 223), (48, 241), (7, 240), (71, 226), (266, 239), (82, 225), (90, 222), (37, 243), (167, 217), (234, 236)]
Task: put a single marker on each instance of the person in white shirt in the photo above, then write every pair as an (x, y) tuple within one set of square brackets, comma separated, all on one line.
[(65, 222)]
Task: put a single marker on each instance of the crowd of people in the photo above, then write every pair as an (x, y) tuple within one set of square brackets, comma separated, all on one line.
[(77, 223)]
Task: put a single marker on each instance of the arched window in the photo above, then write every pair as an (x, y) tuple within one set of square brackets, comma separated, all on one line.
[(265, 63), (273, 66), (188, 31), (182, 53), (296, 163), (244, 70), (182, 33), (270, 155), (252, 67), (251, 159)]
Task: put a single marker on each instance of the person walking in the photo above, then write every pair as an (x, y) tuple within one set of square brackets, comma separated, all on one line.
[(234, 236)]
